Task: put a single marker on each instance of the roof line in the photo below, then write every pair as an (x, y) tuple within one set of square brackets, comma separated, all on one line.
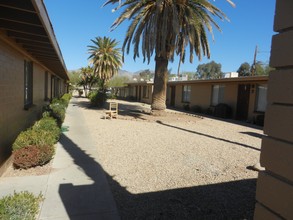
[(41, 11)]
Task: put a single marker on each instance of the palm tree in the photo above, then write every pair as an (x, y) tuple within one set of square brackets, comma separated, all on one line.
[(167, 27), (106, 58), (87, 78)]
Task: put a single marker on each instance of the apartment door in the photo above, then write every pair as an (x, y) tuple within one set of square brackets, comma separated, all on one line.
[(138, 93), (173, 92), (243, 102)]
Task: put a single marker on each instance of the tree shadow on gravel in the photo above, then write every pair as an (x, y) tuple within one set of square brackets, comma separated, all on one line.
[(229, 200), (209, 136), (253, 134)]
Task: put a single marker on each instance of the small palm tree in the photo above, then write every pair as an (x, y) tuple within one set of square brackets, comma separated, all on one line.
[(106, 58), (87, 78), (166, 27)]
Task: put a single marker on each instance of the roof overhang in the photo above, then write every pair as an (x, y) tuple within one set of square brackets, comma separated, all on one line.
[(245, 79), (27, 23), (240, 80)]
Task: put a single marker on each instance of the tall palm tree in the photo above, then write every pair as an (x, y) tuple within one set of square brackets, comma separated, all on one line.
[(167, 27), (105, 57)]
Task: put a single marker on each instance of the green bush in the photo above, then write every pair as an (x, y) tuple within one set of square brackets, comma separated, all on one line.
[(111, 96), (47, 153), (48, 124), (32, 156), (58, 110), (97, 99), (23, 205), (33, 137), (197, 109), (91, 93), (66, 97), (186, 107)]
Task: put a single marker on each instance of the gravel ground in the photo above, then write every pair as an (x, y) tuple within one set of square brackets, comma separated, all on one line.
[(178, 166)]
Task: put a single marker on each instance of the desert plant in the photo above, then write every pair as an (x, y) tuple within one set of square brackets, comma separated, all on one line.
[(163, 29), (22, 205), (57, 108), (46, 154), (49, 125), (223, 111), (33, 137), (58, 112), (26, 157), (66, 97), (197, 109), (111, 96), (32, 155), (97, 98), (186, 107)]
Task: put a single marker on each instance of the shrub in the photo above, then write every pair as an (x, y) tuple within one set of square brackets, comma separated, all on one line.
[(48, 124), (33, 137), (57, 108), (186, 107), (111, 96), (31, 156), (197, 109), (66, 97), (91, 94), (26, 157), (46, 113), (58, 112), (97, 99), (47, 153), (23, 205), (223, 111)]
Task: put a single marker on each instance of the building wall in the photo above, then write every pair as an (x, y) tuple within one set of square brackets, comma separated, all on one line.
[(13, 117), (201, 95), (230, 96), (274, 192), (148, 98)]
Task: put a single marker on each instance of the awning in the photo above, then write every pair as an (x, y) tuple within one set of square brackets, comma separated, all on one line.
[(27, 23)]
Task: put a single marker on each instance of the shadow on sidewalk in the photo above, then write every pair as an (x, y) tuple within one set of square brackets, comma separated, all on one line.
[(229, 200)]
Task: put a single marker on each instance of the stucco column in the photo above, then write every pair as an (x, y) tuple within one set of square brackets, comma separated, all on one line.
[(274, 193)]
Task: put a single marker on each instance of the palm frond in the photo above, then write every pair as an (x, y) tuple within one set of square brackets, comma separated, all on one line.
[(167, 27), (105, 57)]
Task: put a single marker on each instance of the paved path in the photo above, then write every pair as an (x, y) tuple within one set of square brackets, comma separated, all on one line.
[(76, 187)]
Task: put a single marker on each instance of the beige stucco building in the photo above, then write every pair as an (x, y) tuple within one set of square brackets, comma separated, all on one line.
[(32, 70), (246, 96)]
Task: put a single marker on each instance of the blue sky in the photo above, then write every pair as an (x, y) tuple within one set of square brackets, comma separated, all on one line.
[(76, 22)]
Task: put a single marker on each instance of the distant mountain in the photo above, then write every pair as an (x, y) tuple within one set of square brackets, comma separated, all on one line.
[(124, 73)]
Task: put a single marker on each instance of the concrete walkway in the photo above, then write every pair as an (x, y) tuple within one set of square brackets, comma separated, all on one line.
[(76, 187)]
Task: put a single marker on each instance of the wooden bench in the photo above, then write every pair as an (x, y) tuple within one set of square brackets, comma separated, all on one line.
[(113, 110)]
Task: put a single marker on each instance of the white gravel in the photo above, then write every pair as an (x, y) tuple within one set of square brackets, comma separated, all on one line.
[(179, 152)]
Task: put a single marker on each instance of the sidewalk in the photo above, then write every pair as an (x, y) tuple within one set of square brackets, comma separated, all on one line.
[(76, 187)]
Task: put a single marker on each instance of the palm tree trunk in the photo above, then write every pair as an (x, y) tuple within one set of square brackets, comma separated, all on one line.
[(160, 86)]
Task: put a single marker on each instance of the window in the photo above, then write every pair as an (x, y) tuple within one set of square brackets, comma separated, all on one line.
[(145, 92), (186, 90), (46, 87), (52, 86), (28, 84), (217, 94), (261, 98), (57, 87)]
